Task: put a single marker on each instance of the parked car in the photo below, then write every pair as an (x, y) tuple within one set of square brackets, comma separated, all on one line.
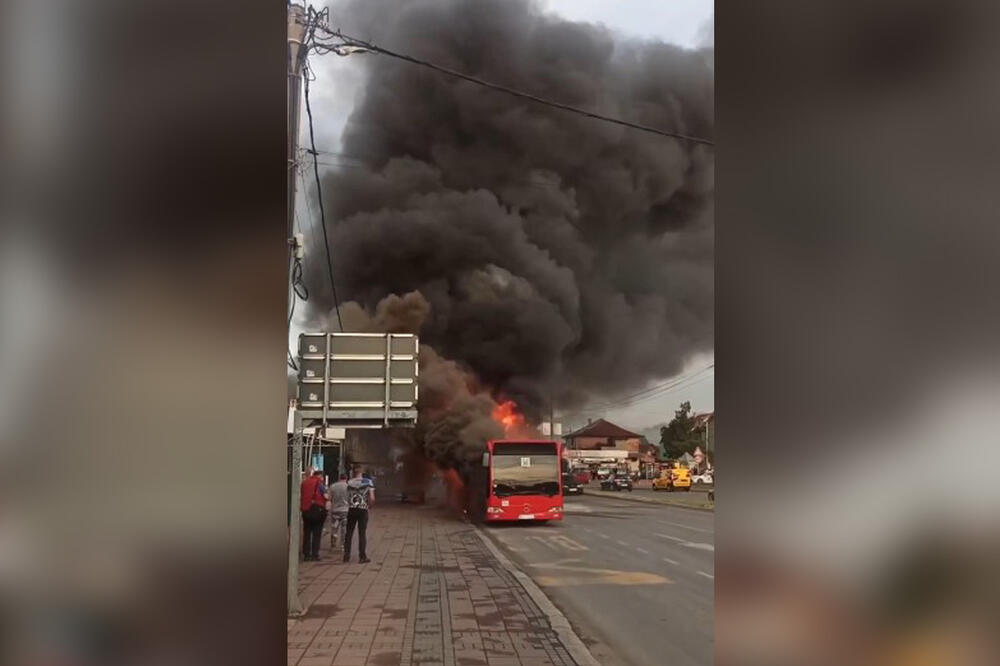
[(681, 478), (664, 481), (617, 482), (677, 478), (570, 486), (704, 478)]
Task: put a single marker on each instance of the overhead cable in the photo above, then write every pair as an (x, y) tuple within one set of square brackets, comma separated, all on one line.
[(350, 45)]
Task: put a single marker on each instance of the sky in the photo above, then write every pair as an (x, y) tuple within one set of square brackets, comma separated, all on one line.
[(687, 23)]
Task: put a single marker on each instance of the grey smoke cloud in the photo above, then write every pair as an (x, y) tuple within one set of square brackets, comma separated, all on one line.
[(557, 254)]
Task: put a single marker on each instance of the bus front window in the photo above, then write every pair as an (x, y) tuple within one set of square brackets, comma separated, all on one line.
[(525, 474)]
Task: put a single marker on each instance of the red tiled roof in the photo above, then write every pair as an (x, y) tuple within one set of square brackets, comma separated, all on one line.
[(602, 428)]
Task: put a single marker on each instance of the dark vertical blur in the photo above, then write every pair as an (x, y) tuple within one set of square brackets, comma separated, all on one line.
[(858, 332), (142, 352)]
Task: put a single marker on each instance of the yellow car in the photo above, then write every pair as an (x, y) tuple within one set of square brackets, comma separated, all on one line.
[(662, 482), (676, 478), (680, 478)]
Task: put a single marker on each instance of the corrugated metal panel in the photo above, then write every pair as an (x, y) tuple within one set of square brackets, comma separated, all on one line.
[(359, 379)]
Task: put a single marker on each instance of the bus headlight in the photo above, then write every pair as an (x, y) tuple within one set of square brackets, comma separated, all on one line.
[(494, 509), (556, 509)]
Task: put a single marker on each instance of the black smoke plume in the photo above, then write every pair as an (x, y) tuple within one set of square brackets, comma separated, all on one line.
[(560, 256)]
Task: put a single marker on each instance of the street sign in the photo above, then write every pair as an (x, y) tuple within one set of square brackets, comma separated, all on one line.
[(359, 380)]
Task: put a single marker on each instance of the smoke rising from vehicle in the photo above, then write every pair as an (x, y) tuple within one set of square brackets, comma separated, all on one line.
[(556, 256)]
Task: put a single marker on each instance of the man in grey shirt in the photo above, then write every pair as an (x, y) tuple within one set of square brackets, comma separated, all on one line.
[(338, 511)]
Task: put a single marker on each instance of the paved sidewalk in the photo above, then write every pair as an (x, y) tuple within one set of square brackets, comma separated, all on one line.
[(432, 595)]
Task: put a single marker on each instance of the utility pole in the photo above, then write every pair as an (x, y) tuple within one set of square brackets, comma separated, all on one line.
[(297, 53), (552, 412)]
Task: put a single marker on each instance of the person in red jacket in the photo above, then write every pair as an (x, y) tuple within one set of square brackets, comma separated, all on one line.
[(312, 503)]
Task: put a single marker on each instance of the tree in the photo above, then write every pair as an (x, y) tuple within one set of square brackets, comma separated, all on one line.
[(678, 436)]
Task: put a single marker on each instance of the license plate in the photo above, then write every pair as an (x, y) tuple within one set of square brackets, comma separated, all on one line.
[(526, 516)]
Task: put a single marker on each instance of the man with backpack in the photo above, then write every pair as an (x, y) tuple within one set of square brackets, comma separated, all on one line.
[(360, 497), (312, 502)]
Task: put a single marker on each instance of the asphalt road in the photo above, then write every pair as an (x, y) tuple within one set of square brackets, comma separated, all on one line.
[(635, 580), (695, 497)]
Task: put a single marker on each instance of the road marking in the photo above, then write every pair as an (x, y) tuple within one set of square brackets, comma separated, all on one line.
[(672, 538), (667, 559), (573, 575), (603, 536), (702, 573), (567, 543), (622, 543), (544, 541), (688, 544), (687, 527), (642, 550), (558, 564)]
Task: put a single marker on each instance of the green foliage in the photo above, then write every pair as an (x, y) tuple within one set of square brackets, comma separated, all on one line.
[(678, 437)]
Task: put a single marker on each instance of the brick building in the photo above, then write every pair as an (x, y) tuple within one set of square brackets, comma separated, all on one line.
[(602, 435)]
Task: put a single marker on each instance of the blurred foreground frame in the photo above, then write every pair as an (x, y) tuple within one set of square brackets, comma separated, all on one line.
[(858, 333), (143, 517)]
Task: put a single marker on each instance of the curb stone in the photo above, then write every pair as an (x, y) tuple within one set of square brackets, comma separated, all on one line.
[(573, 644), (660, 502)]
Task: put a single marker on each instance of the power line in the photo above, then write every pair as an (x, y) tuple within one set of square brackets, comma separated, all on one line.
[(306, 75), (298, 290), (653, 391), (645, 394), (351, 45), (692, 383)]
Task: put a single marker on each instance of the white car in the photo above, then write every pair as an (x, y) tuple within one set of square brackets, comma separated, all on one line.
[(705, 478)]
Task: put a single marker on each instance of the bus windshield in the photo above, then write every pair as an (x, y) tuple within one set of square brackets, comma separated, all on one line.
[(525, 469)]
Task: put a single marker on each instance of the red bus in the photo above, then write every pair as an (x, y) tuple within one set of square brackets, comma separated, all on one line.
[(518, 480)]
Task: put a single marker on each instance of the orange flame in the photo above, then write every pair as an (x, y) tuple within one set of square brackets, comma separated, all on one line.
[(506, 414), (455, 488)]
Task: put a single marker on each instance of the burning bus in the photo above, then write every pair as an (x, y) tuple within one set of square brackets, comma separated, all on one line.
[(518, 479)]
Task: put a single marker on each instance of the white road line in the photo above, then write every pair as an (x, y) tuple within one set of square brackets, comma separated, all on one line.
[(603, 536), (672, 538), (687, 527), (667, 559), (642, 550), (688, 544), (702, 573), (622, 543)]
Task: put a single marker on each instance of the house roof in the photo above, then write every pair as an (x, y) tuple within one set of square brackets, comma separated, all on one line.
[(602, 428), (701, 419)]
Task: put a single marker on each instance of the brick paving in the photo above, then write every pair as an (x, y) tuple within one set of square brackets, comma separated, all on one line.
[(432, 595)]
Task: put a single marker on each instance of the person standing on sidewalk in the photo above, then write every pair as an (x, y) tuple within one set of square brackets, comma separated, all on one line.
[(338, 510), (360, 497), (312, 502)]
